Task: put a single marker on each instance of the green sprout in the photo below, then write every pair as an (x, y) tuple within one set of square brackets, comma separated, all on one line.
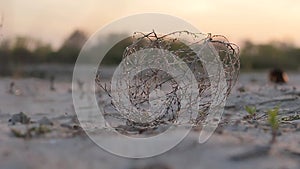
[(251, 110), (273, 122)]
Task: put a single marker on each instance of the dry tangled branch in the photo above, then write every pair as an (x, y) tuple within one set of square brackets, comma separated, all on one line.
[(181, 44)]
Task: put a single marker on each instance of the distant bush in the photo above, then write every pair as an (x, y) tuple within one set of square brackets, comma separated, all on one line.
[(266, 56)]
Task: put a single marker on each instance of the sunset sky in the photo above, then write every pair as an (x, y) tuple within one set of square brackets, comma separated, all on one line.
[(53, 20)]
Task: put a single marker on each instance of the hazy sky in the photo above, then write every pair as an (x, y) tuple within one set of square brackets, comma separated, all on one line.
[(53, 20)]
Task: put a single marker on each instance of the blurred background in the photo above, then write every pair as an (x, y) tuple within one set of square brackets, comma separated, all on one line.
[(38, 36)]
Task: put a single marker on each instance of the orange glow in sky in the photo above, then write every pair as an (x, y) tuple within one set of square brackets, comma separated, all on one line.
[(53, 20)]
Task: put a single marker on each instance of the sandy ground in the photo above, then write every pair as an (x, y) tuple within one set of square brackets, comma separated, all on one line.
[(238, 142)]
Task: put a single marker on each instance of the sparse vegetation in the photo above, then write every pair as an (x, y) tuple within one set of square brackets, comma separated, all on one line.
[(273, 122), (251, 111)]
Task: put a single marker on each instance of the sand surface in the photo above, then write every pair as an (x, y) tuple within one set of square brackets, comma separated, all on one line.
[(237, 143)]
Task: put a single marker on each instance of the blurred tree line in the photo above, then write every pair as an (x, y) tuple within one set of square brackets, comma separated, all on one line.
[(272, 55), (25, 50), (22, 50)]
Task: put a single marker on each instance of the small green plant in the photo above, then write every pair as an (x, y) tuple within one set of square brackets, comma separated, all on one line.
[(251, 110), (273, 122)]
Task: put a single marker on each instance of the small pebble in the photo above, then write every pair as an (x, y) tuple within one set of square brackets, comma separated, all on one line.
[(45, 121), (19, 118)]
